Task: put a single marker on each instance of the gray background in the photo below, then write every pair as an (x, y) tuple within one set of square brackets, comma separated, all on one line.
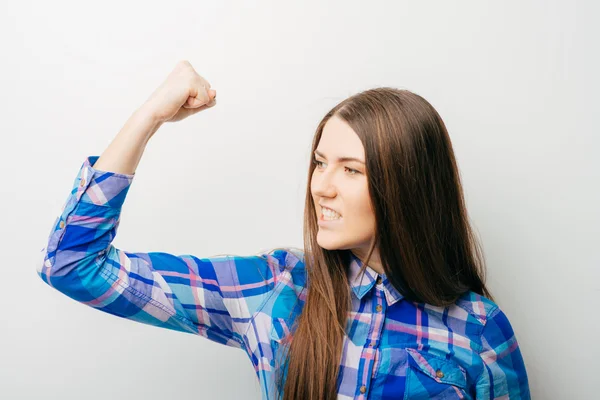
[(515, 81)]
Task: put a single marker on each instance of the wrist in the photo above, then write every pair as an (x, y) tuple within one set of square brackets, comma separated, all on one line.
[(148, 114)]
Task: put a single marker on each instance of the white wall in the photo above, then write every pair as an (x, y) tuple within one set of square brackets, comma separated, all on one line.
[(515, 81)]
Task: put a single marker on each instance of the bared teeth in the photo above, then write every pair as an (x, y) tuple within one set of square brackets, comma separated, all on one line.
[(330, 214)]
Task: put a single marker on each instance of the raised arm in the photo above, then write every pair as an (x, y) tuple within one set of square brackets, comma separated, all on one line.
[(214, 297), (182, 94)]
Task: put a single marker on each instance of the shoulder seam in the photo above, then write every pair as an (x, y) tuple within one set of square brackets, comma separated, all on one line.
[(264, 302), (481, 318), (495, 309), (492, 313)]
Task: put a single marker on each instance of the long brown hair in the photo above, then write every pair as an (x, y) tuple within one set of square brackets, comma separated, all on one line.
[(427, 247)]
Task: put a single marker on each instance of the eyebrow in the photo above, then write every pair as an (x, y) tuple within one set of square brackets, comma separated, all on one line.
[(340, 159)]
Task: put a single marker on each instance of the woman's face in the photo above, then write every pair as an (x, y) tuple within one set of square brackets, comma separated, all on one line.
[(340, 183)]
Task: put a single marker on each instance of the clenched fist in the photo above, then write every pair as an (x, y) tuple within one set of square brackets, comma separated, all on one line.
[(182, 94)]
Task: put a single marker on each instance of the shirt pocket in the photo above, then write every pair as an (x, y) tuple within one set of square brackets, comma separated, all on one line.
[(431, 377)]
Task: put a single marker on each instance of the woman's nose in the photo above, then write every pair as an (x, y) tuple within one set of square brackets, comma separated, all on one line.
[(323, 186)]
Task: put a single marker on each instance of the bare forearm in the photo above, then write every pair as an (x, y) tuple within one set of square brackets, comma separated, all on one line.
[(125, 151)]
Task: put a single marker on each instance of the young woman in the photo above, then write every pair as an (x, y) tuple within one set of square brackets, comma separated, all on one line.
[(385, 301)]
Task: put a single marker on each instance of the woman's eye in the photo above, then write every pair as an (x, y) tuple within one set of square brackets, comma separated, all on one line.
[(352, 171), (317, 162)]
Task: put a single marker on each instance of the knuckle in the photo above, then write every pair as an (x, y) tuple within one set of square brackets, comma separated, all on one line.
[(200, 84)]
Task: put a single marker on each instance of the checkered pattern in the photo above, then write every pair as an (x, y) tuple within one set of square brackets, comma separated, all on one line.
[(394, 348)]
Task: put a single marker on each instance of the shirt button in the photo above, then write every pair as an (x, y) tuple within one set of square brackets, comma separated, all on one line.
[(439, 374), (82, 182), (363, 389), (62, 224), (378, 308), (378, 281), (372, 344)]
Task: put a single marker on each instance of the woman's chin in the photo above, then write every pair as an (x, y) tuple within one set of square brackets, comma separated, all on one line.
[(328, 243)]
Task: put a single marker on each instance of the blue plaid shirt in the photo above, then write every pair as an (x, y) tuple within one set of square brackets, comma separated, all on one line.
[(394, 348)]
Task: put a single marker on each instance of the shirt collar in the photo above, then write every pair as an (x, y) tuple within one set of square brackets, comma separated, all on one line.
[(361, 285)]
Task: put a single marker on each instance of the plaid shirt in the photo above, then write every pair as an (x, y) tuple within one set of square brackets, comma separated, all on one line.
[(393, 348)]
